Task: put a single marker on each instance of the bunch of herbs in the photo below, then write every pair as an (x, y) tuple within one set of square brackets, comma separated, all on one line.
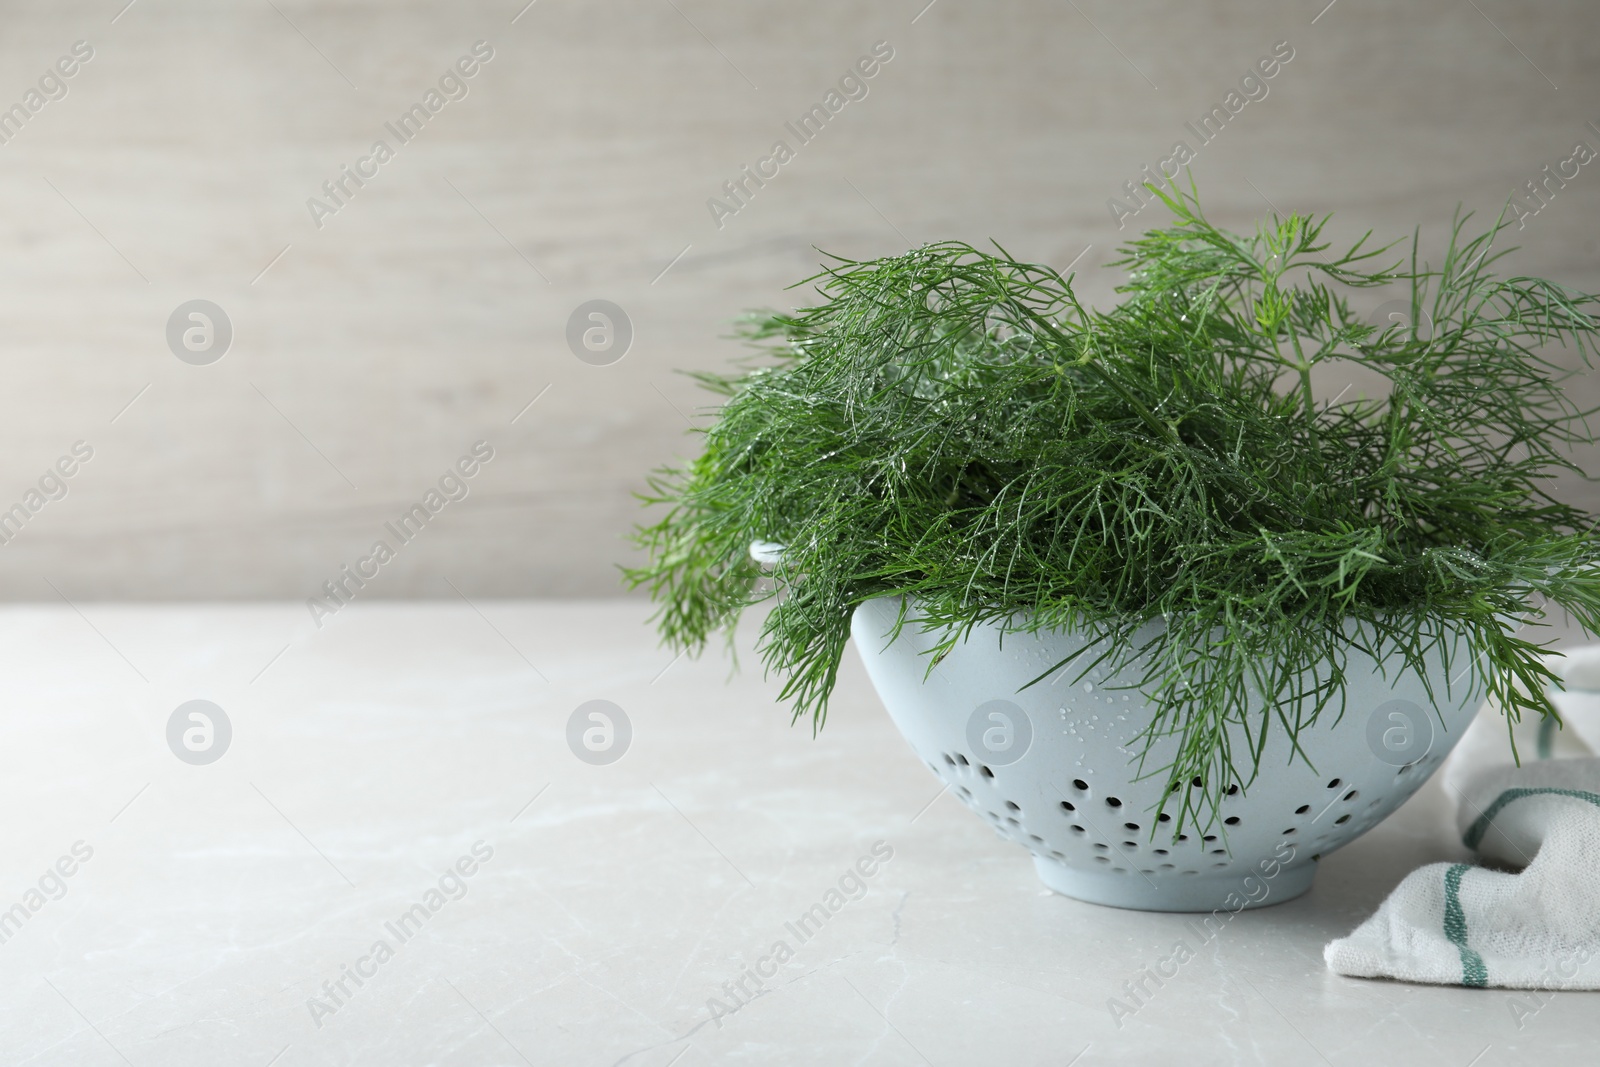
[(953, 427)]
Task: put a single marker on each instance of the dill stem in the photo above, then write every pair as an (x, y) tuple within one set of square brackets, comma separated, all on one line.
[(1303, 367)]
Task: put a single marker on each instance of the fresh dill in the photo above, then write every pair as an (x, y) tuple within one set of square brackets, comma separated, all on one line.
[(954, 427)]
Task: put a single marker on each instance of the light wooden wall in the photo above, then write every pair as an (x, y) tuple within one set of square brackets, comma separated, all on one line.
[(432, 308)]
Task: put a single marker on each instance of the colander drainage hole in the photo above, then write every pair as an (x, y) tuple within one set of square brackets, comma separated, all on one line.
[(1101, 859), (1130, 844), (1233, 790), (1077, 829), (1341, 820), (1080, 785), (1219, 852), (1351, 795), (1013, 805), (951, 760), (986, 772), (1130, 826), (1289, 831), (1232, 820), (1066, 805), (1113, 802), (1163, 817), (1161, 852), (1219, 865), (1302, 809), (1334, 784), (1101, 846), (1209, 838)]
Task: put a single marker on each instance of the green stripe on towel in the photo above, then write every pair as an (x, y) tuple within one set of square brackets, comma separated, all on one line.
[(1480, 826), (1473, 972)]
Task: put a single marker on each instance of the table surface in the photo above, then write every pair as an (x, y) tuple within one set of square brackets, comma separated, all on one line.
[(220, 905)]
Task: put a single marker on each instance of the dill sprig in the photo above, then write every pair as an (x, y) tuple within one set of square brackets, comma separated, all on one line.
[(953, 427)]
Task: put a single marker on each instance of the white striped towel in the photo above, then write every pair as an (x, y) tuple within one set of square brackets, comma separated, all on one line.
[(1537, 927)]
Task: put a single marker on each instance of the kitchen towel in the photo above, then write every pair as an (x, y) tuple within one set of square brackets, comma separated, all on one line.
[(1530, 920)]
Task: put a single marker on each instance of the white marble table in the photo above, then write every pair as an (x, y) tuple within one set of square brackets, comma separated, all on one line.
[(371, 757)]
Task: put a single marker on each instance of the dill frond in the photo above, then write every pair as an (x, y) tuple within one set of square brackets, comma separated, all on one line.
[(953, 426)]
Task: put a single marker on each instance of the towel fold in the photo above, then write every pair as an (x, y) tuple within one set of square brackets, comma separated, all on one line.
[(1537, 927)]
